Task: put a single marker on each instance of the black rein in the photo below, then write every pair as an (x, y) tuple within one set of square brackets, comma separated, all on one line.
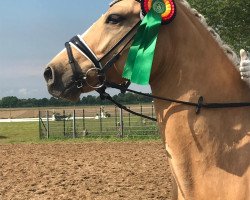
[(199, 105)]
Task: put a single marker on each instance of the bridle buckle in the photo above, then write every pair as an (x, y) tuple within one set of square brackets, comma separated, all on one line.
[(79, 84)]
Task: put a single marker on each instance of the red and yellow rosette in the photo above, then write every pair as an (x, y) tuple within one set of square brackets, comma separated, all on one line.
[(167, 16), (141, 54)]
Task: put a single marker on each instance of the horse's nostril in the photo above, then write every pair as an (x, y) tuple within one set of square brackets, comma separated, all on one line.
[(48, 75)]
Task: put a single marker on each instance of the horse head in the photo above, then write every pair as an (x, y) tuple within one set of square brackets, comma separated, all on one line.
[(103, 40)]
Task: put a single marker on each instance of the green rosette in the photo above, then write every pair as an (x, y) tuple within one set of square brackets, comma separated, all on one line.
[(141, 55)]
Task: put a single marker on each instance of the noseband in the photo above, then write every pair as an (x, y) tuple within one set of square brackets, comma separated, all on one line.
[(79, 78)]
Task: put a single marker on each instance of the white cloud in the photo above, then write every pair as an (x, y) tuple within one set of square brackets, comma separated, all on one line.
[(23, 92)]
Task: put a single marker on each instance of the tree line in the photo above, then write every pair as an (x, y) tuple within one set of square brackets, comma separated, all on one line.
[(229, 18), (14, 102)]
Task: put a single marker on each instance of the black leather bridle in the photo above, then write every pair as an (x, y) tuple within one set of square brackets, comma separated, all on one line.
[(79, 79)]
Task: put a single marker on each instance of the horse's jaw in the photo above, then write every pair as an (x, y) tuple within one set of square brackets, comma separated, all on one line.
[(69, 94)]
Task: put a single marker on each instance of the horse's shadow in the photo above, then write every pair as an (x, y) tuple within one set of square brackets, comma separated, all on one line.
[(235, 161), (3, 137)]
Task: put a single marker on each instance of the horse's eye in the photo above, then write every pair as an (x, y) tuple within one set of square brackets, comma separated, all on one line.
[(114, 19)]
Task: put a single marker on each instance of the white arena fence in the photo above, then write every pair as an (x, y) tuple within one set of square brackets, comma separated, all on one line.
[(97, 122)]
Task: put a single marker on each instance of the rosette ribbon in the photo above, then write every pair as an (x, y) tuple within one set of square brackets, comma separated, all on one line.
[(140, 58)]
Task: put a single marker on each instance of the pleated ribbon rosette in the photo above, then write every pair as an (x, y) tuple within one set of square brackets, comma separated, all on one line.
[(140, 58)]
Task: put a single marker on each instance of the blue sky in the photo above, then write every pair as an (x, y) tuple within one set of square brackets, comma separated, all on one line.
[(34, 31)]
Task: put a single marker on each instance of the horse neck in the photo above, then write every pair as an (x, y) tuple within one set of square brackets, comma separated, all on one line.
[(194, 63), (188, 64)]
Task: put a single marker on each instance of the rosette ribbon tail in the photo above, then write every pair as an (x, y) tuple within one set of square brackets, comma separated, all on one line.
[(141, 55)]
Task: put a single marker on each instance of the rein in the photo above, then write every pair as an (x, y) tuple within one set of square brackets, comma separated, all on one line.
[(79, 79), (199, 105)]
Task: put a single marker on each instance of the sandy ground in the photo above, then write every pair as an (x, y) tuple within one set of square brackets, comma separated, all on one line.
[(95, 170)]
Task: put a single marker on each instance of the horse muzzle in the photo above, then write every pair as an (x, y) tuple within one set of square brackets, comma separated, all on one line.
[(61, 85)]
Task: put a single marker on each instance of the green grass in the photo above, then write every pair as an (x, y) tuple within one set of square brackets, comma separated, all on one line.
[(19, 132), (134, 129), (28, 132)]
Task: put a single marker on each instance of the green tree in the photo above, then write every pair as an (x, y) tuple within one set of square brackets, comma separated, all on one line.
[(9, 102), (230, 18), (128, 98), (89, 100)]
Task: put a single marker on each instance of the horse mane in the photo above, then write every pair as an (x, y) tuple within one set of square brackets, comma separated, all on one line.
[(226, 48)]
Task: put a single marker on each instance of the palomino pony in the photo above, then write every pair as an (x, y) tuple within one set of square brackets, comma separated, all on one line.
[(209, 153)]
